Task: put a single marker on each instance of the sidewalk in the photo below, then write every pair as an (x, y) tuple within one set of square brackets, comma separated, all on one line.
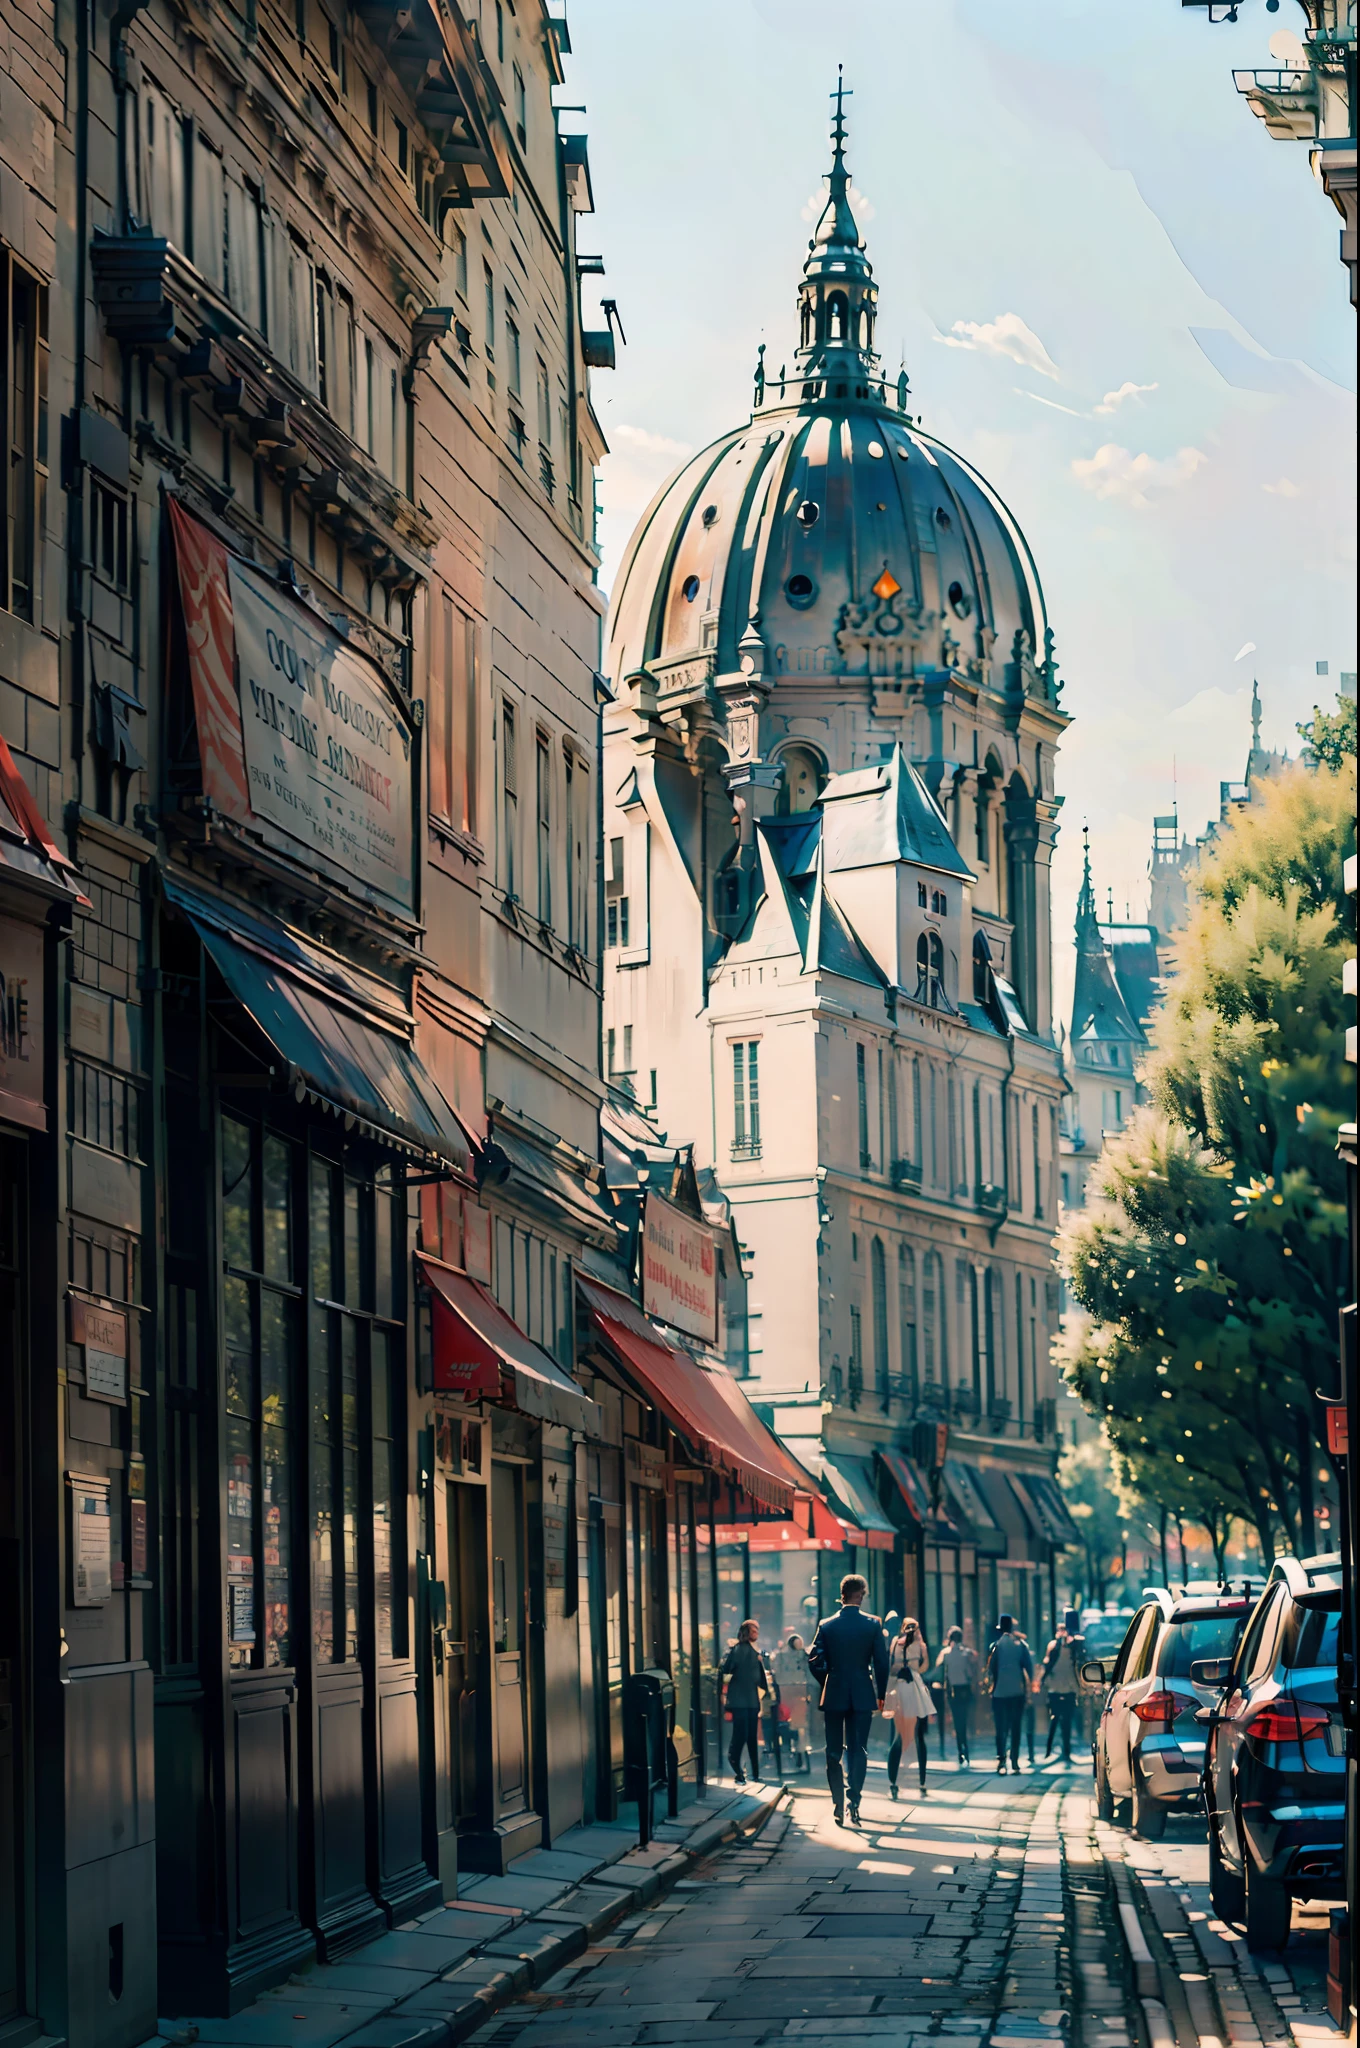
[(433, 1981)]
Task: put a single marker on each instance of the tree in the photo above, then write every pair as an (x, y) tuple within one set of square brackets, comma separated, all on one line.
[(1090, 1487), (1211, 1263), (1330, 735)]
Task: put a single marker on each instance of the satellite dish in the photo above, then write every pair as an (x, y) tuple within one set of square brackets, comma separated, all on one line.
[(1286, 48)]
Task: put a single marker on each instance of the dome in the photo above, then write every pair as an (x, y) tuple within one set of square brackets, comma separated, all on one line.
[(830, 535), (811, 523)]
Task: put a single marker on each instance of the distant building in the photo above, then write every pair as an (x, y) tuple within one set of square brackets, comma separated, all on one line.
[(830, 812)]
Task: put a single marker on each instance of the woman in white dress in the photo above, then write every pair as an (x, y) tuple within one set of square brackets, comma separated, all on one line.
[(909, 1701)]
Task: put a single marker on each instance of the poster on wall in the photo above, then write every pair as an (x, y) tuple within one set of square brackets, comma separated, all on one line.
[(91, 1540), (679, 1270), (300, 736)]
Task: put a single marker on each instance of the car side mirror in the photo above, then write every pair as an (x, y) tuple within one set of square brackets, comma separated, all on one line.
[(1214, 1671), (1093, 1672)]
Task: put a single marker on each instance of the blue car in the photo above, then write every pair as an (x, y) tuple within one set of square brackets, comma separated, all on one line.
[(1275, 1755)]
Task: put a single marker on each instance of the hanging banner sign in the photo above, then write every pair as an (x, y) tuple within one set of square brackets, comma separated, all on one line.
[(299, 735), (679, 1270), (103, 1332)]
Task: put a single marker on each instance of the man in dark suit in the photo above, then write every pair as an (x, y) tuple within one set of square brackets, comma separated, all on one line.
[(850, 1657)]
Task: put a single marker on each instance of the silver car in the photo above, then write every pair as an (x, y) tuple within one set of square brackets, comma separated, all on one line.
[(1149, 1746)]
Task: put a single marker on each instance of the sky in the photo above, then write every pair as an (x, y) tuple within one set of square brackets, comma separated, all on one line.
[(1113, 291)]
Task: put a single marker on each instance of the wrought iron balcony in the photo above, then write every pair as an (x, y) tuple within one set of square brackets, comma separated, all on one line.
[(990, 1198), (906, 1173)]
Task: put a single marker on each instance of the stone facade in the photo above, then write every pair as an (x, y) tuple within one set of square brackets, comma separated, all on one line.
[(308, 276)]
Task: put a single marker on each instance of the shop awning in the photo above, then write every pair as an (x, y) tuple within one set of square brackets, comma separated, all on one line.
[(811, 1526), (705, 1405), (31, 862), (965, 1487), (911, 1488), (1043, 1491), (344, 1040), (548, 1183), (1007, 1511), (479, 1351), (851, 1481)]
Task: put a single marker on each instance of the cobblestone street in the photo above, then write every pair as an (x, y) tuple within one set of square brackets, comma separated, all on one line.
[(944, 1916), (995, 1911)]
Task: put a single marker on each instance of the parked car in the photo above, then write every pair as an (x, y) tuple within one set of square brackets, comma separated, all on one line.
[(1148, 1748), (1103, 1630), (1275, 1756)]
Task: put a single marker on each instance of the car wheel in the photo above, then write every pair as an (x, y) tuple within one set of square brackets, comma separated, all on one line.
[(1227, 1894), (1149, 1815), (1269, 1912), (1104, 1796)]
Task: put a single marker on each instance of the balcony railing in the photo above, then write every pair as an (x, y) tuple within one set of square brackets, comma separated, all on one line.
[(1286, 100)]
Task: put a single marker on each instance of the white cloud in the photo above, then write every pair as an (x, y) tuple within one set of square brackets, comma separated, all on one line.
[(1114, 472), (1007, 336), (644, 442), (1112, 400), (1039, 399), (1282, 489)]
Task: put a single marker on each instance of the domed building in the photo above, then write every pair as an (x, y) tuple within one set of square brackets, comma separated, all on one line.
[(829, 818)]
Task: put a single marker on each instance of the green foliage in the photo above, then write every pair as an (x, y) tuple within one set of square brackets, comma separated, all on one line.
[(1210, 1259), (1330, 735), (1090, 1485)]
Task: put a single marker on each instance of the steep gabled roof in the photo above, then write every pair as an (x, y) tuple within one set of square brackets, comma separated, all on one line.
[(1099, 1009), (885, 813)]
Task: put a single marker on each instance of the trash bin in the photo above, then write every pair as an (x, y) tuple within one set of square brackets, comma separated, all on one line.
[(649, 1758)]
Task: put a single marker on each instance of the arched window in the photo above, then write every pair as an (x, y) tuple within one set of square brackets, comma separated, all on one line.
[(837, 317), (802, 780), (906, 1315), (930, 971), (878, 1272), (805, 332)]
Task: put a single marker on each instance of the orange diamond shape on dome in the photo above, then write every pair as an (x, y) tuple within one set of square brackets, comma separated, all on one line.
[(887, 586)]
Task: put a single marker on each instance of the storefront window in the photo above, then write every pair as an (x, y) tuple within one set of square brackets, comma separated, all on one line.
[(260, 1311), (348, 1239)]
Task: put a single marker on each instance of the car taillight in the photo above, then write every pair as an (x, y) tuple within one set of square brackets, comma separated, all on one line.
[(1157, 1706), (1285, 1722)]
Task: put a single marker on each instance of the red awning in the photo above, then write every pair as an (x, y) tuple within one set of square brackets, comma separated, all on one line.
[(812, 1526), (909, 1485), (479, 1351), (30, 857), (706, 1406)]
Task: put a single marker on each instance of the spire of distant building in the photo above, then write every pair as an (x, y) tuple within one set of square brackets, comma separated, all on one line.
[(838, 299)]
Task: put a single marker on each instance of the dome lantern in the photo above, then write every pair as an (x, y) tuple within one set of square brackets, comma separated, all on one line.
[(837, 299)]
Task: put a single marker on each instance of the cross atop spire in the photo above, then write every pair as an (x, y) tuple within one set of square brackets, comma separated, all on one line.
[(840, 96), (838, 299)]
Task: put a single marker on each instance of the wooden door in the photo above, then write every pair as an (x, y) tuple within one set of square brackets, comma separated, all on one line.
[(509, 1645), (465, 1654)]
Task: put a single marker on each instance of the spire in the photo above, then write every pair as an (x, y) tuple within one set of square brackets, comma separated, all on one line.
[(1255, 716), (1099, 1008), (838, 299), (1086, 901)]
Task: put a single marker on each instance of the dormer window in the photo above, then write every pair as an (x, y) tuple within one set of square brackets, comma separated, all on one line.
[(939, 902), (922, 895)]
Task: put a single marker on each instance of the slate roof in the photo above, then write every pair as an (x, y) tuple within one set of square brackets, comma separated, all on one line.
[(885, 813)]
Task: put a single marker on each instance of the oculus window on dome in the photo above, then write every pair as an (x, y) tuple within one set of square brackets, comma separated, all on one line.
[(302, 740)]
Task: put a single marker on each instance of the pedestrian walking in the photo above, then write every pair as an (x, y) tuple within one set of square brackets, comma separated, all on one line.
[(849, 1658), (1058, 1674), (908, 1702), (959, 1672), (1028, 1711), (1010, 1671), (789, 1669), (744, 1669)]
